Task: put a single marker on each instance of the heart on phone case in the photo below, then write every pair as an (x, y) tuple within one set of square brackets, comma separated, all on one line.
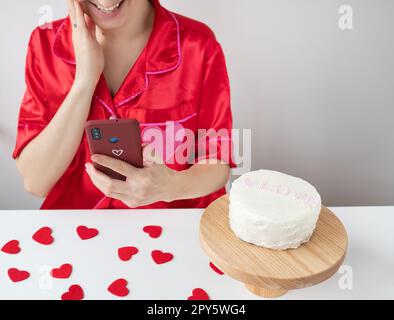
[(117, 152)]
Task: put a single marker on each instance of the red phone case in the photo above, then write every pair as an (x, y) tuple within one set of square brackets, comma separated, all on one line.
[(120, 139)]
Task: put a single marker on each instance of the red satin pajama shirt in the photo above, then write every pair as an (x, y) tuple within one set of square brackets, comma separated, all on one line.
[(180, 76)]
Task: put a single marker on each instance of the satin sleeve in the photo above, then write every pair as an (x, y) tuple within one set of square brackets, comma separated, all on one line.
[(34, 111), (214, 139)]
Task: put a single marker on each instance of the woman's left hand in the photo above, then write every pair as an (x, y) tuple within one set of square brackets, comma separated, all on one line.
[(143, 186)]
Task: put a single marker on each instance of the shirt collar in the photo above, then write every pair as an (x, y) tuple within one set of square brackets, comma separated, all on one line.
[(163, 52)]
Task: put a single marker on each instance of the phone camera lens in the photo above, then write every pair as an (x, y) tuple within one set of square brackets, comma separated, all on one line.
[(96, 134)]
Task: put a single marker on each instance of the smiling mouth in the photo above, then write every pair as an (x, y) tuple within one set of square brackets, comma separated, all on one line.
[(107, 9)]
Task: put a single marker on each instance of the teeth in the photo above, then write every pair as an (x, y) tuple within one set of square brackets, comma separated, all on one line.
[(110, 9)]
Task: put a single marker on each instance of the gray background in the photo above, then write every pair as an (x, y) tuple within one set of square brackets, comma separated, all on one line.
[(319, 100)]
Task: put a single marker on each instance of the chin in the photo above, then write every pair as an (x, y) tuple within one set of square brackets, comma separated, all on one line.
[(107, 15)]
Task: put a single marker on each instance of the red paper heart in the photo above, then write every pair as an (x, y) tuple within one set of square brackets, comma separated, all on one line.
[(161, 257), (216, 269), (63, 272), (153, 231), (11, 247), (86, 233), (119, 288), (199, 294), (126, 253), (75, 292), (17, 275), (44, 236)]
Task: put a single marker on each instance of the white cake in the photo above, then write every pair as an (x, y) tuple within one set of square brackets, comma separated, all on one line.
[(273, 209)]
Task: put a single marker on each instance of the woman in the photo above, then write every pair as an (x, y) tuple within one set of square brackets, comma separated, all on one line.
[(123, 59)]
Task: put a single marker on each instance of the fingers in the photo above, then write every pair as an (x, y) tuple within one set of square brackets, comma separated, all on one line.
[(80, 17), (150, 155), (71, 10), (111, 188), (105, 184), (116, 165), (91, 26)]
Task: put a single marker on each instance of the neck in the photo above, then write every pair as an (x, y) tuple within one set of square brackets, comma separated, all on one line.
[(141, 16)]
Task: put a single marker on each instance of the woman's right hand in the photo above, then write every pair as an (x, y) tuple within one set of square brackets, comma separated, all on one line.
[(89, 54)]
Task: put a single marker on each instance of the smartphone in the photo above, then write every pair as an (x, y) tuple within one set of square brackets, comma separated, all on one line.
[(119, 139)]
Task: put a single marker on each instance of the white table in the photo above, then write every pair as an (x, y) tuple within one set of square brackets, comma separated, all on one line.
[(370, 256)]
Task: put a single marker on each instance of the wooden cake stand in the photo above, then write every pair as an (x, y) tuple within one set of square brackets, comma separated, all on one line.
[(271, 273)]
